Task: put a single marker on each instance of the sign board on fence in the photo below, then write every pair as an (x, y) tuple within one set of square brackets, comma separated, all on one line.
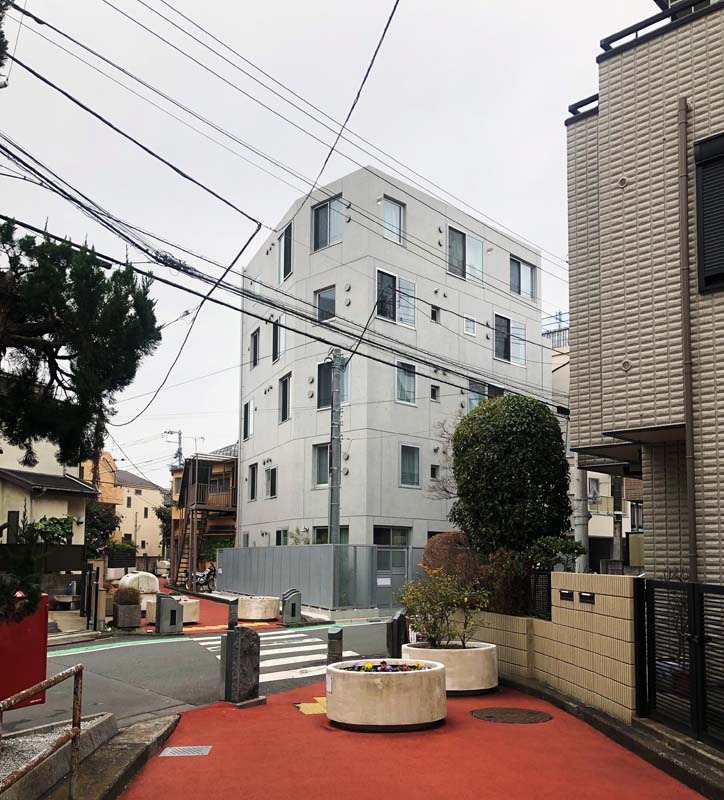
[(384, 581)]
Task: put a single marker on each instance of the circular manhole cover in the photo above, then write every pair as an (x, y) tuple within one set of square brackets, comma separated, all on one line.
[(513, 716)]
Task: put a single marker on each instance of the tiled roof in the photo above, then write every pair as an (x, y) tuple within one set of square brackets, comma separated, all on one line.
[(59, 484), (124, 478), (231, 450)]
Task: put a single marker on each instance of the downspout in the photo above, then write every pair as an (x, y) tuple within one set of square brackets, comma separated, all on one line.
[(240, 455), (684, 275)]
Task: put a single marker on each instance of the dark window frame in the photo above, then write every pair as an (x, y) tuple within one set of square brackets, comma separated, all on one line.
[(253, 479), (323, 315), (285, 398), (254, 342), (709, 160), (285, 245)]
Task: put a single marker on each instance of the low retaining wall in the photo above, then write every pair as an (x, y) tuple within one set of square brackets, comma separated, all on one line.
[(586, 651)]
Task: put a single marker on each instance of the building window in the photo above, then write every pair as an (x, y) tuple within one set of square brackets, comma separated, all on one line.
[(594, 490), (321, 464), (282, 537), (522, 278), (391, 537), (324, 300), (321, 534), (469, 326), (176, 486), (137, 491), (127, 538), (271, 482), (405, 383), (285, 253), (279, 338), (637, 517), (434, 393), (409, 465), (477, 392), (495, 391), (128, 501), (465, 255), (434, 472), (285, 398), (394, 219), (509, 340), (254, 349), (435, 314), (324, 385), (143, 541), (245, 539), (327, 222), (709, 158), (253, 472), (145, 513), (248, 421), (395, 298)]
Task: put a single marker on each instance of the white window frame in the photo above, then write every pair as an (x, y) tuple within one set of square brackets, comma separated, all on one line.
[(520, 337), (288, 380), (332, 286), (400, 293), (281, 277), (345, 385), (397, 368), (466, 320), (437, 387), (471, 391), (268, 470), (398, 237), (284, 535), (533, 278), (250, 427), (316, 448), (327, 203), (436, 311), (436, 469), (467, 274), (402, 485)]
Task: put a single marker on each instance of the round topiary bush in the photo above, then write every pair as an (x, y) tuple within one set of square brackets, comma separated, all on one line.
[(127, 596), (451, 554)]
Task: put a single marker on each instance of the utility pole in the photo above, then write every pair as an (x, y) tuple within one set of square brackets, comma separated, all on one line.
[(617, 491), (580, 515), (335, 447), (179, 454)]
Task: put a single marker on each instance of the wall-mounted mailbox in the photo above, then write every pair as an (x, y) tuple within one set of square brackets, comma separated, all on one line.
[(587, 597), (566, 594)]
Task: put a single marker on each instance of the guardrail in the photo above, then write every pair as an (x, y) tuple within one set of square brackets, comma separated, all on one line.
[(72, 735)]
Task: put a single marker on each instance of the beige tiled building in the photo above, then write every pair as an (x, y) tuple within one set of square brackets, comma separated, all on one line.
[(646, 206)]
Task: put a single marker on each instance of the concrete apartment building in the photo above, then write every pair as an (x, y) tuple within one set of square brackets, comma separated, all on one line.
[(646, 215), (458, 289), (139, 523)]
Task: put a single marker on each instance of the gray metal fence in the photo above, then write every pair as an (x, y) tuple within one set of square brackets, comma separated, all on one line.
[(328, 576)]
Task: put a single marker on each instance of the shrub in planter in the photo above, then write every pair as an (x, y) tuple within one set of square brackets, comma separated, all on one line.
[(127, 608), (506, 578), (442, 609), (450, 553)]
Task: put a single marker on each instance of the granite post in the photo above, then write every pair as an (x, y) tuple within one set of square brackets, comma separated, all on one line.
[(239, 665)]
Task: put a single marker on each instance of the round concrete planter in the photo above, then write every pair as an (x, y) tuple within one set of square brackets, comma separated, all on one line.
[(386, 701), (258, 608), (472, 670)]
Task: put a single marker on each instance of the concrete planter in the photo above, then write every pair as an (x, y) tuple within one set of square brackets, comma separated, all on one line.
[(189, 604), (126, 616), (472, 670), (386, 701), (258, 608)]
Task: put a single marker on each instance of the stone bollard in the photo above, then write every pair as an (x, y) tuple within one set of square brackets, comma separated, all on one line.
[(233, 614), (239, 666), (335, 645), (396, 634)]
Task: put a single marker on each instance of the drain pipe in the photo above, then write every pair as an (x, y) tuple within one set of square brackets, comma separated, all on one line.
[(684, 275)]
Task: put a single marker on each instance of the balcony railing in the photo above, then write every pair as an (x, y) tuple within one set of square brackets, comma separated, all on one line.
[(204, 494)]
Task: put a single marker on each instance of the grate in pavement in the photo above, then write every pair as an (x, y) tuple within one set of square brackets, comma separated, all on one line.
[(191, 750), (519, 716)]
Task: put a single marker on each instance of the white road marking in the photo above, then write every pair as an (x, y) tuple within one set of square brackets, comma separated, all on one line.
[(278, 662)]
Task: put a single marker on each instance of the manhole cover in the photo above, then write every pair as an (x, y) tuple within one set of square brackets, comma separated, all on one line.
[(189, 750), (517, 716)]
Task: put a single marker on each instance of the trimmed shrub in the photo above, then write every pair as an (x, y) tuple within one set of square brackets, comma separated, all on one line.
[(506, 578), (127, 596), (450, 554)]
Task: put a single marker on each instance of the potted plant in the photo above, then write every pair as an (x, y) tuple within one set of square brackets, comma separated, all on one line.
[(127, 608), (443, 610)]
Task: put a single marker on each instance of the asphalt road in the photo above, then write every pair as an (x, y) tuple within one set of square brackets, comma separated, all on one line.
[(142, 677)]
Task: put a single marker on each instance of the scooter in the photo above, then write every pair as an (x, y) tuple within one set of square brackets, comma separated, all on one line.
[(205, 581)]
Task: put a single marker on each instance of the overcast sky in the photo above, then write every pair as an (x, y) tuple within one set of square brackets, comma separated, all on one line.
[(472, 94)]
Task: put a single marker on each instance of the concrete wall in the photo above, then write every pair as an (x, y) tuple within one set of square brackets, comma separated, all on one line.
[(585, 651), (374, 425)]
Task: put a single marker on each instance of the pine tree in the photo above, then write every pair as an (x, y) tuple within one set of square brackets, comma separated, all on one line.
[(3, 41), (72, 335)]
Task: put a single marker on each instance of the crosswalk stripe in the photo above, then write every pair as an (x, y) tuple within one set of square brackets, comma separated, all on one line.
[(215, 644), (278, 662), (303, 672), (300, 649)]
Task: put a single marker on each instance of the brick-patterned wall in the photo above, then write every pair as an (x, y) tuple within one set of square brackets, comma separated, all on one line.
[(633, 490), (666, 546), (585, 651)]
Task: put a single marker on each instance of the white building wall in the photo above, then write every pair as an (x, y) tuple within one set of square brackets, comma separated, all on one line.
[(374, 425)]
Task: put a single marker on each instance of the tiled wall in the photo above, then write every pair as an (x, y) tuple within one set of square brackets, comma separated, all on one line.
[(585, 651)]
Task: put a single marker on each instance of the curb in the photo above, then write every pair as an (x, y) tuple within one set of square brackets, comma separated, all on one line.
[(686, 768), (59, 640)]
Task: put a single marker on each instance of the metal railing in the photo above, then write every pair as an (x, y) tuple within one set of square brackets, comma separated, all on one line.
[(205, 494), (72, 735)]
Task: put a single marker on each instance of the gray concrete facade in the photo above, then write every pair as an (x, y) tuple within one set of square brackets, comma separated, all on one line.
[(376, 424)]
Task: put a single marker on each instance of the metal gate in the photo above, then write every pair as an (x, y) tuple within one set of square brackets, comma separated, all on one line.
[(390, 574), (685, 656)]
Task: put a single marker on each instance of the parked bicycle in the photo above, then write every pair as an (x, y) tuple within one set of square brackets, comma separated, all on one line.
[(205, 581)]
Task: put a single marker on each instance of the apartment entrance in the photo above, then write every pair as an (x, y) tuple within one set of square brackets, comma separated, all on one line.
[(391, 570)]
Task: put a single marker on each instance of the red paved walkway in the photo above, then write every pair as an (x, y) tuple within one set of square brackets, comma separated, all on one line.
[(274, 752), (213, 616)]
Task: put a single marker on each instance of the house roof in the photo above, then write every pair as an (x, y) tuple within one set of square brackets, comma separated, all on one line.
[(42, 482), (230, 450), (125, 478)]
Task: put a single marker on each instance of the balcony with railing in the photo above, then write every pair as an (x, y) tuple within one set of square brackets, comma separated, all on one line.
[(213, 496)]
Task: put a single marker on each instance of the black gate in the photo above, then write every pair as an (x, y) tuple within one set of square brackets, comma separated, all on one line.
[(685, 656)]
